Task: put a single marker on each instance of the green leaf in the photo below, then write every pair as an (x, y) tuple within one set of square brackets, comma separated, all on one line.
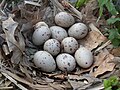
[(101, 5), (107, 83), (109, 88), (111, 8), (118, 89), (113, 33), (101, 11), (115, 42), (111, 82), (114, 80), (102, 2), (114, 36), (79, 3), (112, 20)]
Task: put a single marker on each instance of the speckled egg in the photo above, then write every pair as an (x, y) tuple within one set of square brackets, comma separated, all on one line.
[(41, 35), (64, 19), (78, 30), (52, 46), (84, 57), (65, 62), (39, 24), (58, 33), (69, 45), (44, 61)]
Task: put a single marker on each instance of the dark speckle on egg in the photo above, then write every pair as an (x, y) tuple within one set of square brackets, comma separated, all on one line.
[(68, 64)]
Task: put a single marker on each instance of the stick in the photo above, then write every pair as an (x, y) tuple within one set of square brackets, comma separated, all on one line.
[(94, 28), (103, 46), (57, 4), (14, 81)]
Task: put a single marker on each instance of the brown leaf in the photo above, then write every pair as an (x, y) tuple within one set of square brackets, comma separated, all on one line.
[(96, 87), (14, 81), (116, 52), (30, 14), (1, 41), (57, 86), (22, 80), (82, 82), (47, 80), (92, 40), (104, 64), (17, 56), (26, 72), (56, 76), (26, 27), (10, 25), (89, 13), (21, 41)]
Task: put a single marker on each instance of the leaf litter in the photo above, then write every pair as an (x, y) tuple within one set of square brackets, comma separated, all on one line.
[(17, 50)]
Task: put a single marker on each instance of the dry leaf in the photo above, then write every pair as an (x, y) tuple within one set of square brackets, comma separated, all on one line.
[(92, 40), (47, 80), (12, 43), (17, 56), (116, 60), (22, 80), (56, 76), (106, 44), (1, 41), (10, 25), (103, 63), (18, 47), (49, 16), (57, 86), (96, 87), (21, 41), (82, 82), (7, 83), (25, 71), (14, 81), (30, 13), (89, 13), (26, 27), (116, 52)]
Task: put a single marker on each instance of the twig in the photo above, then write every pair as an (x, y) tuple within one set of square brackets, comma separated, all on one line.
[(35, 86), (57, 4), (6, 88), (71, 8), (75, 11), (32, 3), (14, 81), (94, 28), (103, 46), (2, 4)]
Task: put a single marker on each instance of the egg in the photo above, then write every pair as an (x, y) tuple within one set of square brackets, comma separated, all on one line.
[(78, 30), (64, 19), (65, 62), (69, 45), (52, 46), (44, 61), (84, 57), (41, 35), (58, 33), (39, 24)]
